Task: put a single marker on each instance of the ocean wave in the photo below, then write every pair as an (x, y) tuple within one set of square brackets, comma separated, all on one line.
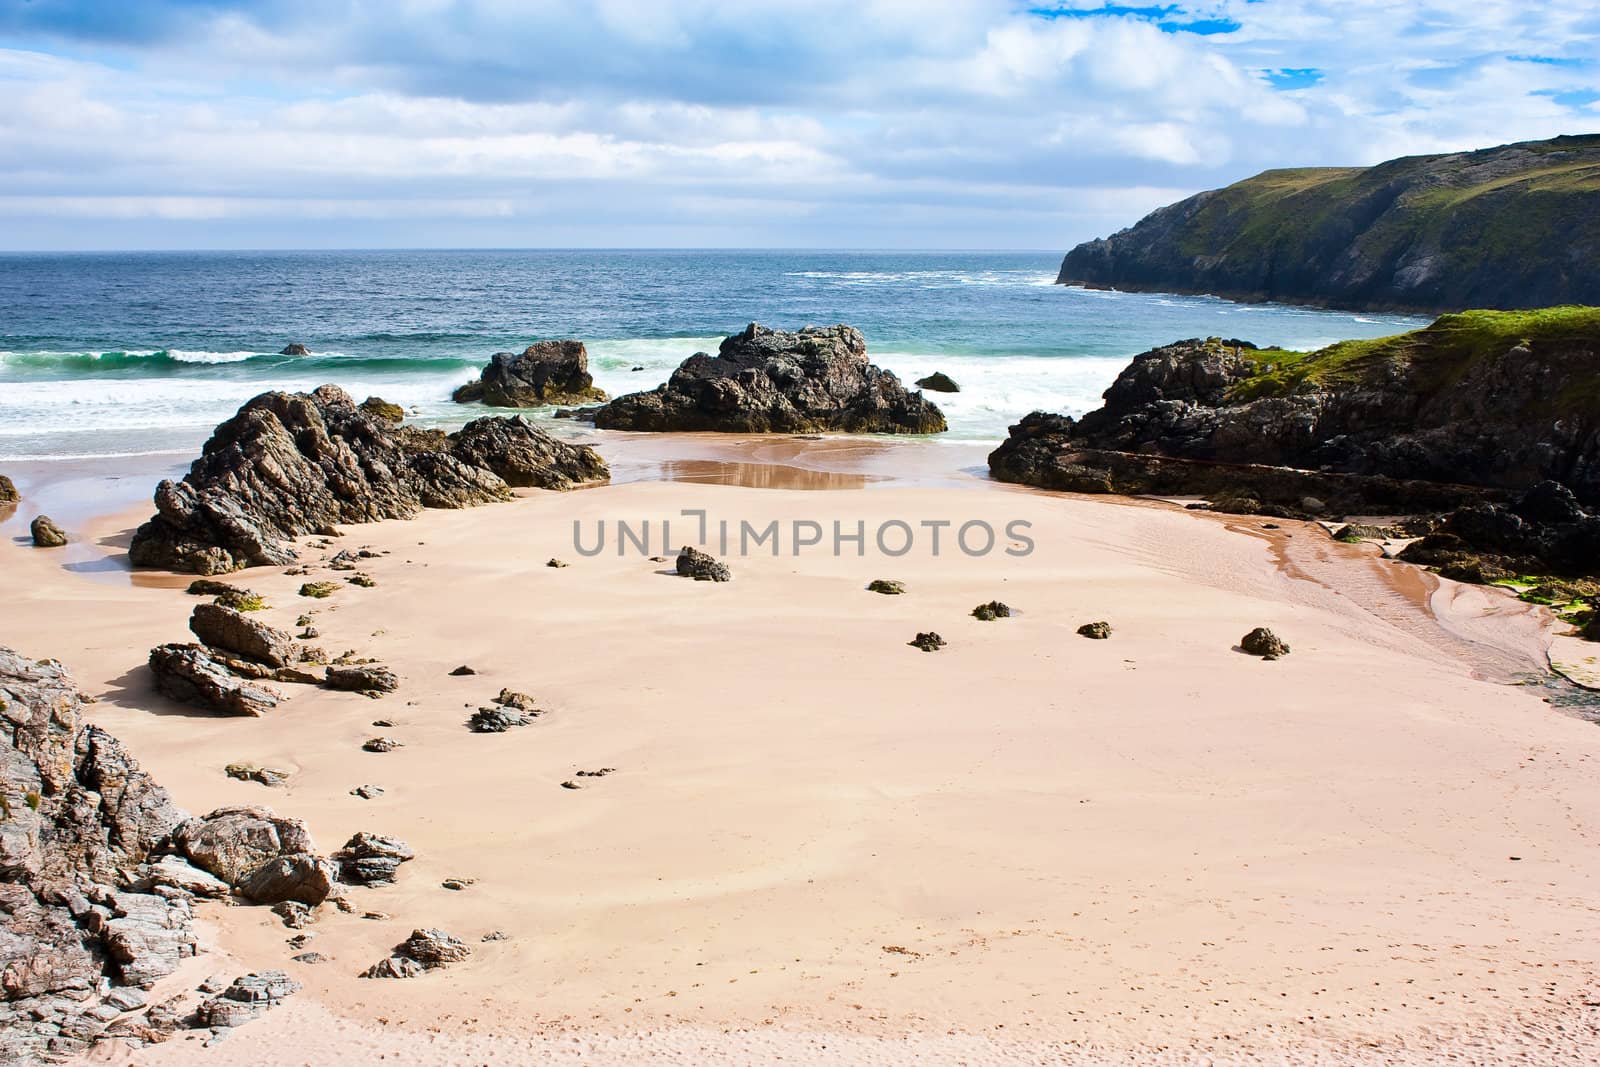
[(174, 360)]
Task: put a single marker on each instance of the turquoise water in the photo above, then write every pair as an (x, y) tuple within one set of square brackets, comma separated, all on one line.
[(142, 353)]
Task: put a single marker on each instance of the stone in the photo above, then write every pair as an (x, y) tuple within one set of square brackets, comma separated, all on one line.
[(310, 957), (8, 491), (177, 873), (554, 562), (231, 843), (1095, 631), (124, 998), (701, 566), (249, 772), (288, 465), (372, 859), (223, 628), (295, 349), (241, 600), (302, 877), (462, 671), (395, 967), (938, 382), (813, 380), (434, 948), (190, 675), (249, 997), (381, 744), (46, 534), (362, 679), (367, 792), (886, 586), (365, 581), (457, 884), (991, 611), (927, 642), (380, 408), (544, 374), (1264, 643), (510, 698), (495, 720), (319, 590), (295, 915)]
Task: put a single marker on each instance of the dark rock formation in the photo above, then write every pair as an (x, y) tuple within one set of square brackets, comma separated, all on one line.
[(991, 611), (266, 858), (702, 566), (302, 878), (250, 772), (295, 349), (8, 491), (292, 464), (886, 586), (1264, 643), (372, 859), (246, 998), (496, 720), (770, 381), (546, 373), (46, 534), (525, 456), (233, 631), (380, 408), (85, 913), (1095, 631), (927, 642), (1544, 530), (362, 679), (938, 382), (423, 951), (189, 674), (1459, 412), (1504, 227)]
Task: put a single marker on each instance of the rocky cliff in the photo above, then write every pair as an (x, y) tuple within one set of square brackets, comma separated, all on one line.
[(1511, 227)]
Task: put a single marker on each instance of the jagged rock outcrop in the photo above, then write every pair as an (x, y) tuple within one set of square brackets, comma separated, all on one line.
[(8, 491), (545, 373), (372, 859), (1469, 408), (233, 631), (701, 566), (815, 380), (246, 998), (379, 408), (1506, 227), (423, 951), (292, 464), (938, 382), (1544, 530), (523, 455), (83, 912), (362, 679), (266, 858), (190, 675), (295, 348)]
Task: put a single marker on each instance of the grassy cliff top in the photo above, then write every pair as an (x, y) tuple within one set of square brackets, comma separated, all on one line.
[(1444, 350)]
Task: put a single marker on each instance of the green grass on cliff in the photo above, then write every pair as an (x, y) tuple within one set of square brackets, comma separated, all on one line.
[(1446, 349)]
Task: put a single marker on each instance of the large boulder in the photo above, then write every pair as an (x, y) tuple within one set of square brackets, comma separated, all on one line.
[(83, 912), (292, 464), (232, 842), (546, 373), (8, 491), (47, 533), (770, 381), (190, 675), (233, 631), (523, 455)]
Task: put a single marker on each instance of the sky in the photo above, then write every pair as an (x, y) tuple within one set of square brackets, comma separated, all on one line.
[(731, 123)]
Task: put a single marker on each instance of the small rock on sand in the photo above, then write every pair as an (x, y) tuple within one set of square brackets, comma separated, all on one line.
[(886, 586), (927, 642), (1095, 631), (1264, 643)]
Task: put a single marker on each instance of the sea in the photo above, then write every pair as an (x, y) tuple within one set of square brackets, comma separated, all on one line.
[(111, 355)]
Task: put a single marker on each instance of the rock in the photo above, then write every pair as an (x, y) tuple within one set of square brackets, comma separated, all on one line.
[(190, 675), (702, 567), (249, 772), (365, 581), (302, 877), (381, 744), (525, 456), (1264, 643), (495, 935), (495, 720), (177, 873), (231, 843), (247, 998), (210, 587), (224, 628), (82, 915), (295, 915), (543, 374), (601, 773), (433, 948), (938, 382), (319, 590), (768, 381), (310, 957), (46, 534), (395, 967), (886, 587), (554, 562), (462, 671), (295, 349), (8, 491), (569, 784), (241, 600), (380, 408), (372, 859), (367, 792), (125, 999), (927, 642), (510, 698), (991, 611), (1095, 631), (457, 884), (293, 464), (362, 679)]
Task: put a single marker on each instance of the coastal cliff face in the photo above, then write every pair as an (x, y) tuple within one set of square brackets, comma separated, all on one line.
[(1511, 227), (762, 380)]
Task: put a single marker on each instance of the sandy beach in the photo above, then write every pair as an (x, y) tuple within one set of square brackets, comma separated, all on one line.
[(821, 845)]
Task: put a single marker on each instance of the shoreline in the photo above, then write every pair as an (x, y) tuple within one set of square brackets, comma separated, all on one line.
[(1062, 841)]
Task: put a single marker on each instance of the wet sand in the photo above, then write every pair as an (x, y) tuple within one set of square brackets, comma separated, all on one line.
[(824, 846)]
